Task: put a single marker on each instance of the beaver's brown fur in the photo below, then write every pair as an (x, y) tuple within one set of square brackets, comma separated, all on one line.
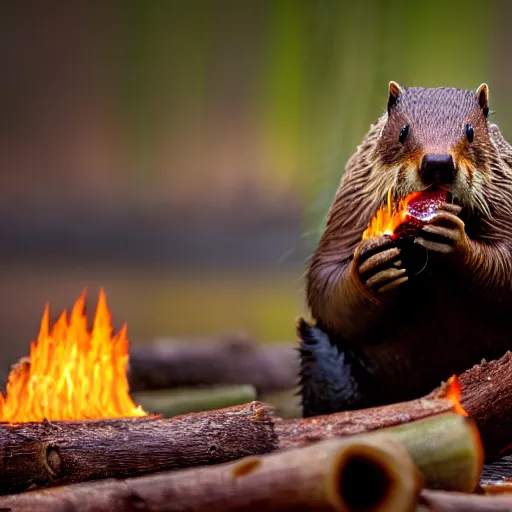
[(411, 332)]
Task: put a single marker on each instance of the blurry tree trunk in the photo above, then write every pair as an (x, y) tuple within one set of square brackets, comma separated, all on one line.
[(238, 360)]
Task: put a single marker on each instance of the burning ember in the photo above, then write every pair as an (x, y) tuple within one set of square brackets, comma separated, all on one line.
[(453, 393), (405, 218), (72, 373)]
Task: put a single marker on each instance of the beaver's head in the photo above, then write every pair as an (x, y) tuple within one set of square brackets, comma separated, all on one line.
[(437, 138)]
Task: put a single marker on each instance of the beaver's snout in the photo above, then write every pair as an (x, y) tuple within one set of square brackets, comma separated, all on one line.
[(437, 169)]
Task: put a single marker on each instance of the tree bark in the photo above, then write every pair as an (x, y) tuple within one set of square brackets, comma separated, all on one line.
[(370, 473), (299, 432), (233, 361), (487, 398), (44, 454), (47, 454)]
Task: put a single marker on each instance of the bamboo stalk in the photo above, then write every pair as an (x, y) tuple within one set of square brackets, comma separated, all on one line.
[(303, 431), (446, 448), (286, 402), (172, 402), (371, 473)]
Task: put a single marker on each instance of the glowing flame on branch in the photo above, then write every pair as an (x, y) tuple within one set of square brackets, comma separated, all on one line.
[(406, 217), (389, 217), (454, 393), (72, 373)]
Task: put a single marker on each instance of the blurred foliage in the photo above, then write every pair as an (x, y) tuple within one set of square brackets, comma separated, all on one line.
[(313, 74), (155, 301), (176, 401), (358, 47), (273, 94)]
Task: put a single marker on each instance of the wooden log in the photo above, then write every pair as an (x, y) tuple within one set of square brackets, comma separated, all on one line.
[(441, 501), (47, 454), (446, 447), (370, 473), (44, 454), (303, 431), (238, 360), (487, 398)]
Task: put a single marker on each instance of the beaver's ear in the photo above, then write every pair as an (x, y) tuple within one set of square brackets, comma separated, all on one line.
[(394, 92), (483, 98)]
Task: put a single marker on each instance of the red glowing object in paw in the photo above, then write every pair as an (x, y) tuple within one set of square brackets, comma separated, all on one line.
[(408, 217)]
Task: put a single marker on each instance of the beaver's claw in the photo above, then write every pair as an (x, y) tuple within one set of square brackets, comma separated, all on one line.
[(379, 266), (445, 233)]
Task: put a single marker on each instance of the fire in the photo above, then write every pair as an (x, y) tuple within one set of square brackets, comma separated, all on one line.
[(72, 373), (454, 393), (389, 217)]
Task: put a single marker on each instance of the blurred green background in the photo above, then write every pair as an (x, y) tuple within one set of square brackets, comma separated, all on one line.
[(184, 153)]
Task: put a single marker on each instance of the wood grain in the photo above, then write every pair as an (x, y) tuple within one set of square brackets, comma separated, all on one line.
[(46, 454)]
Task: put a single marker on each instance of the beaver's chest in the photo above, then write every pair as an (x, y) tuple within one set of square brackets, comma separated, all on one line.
[(435, 328)]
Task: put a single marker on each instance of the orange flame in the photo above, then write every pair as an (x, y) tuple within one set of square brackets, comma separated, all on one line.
[(389, 217), (72, 374), (454, 393)]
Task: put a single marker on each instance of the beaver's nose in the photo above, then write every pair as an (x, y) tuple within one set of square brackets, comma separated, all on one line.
[(437, 169)]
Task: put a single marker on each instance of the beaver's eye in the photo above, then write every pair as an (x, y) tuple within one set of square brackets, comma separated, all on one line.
[(403, 133), (470, 133)]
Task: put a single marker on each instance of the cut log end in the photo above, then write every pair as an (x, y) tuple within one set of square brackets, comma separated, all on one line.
[(46, 454), (373, 472)]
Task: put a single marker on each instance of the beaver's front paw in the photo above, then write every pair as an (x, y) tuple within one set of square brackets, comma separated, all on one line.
[(445, 233), (377, 262)]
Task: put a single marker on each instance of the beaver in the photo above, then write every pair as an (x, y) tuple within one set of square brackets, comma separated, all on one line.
[(384, 332)]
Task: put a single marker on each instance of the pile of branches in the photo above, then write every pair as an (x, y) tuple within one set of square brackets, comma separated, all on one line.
[(417, 455)]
